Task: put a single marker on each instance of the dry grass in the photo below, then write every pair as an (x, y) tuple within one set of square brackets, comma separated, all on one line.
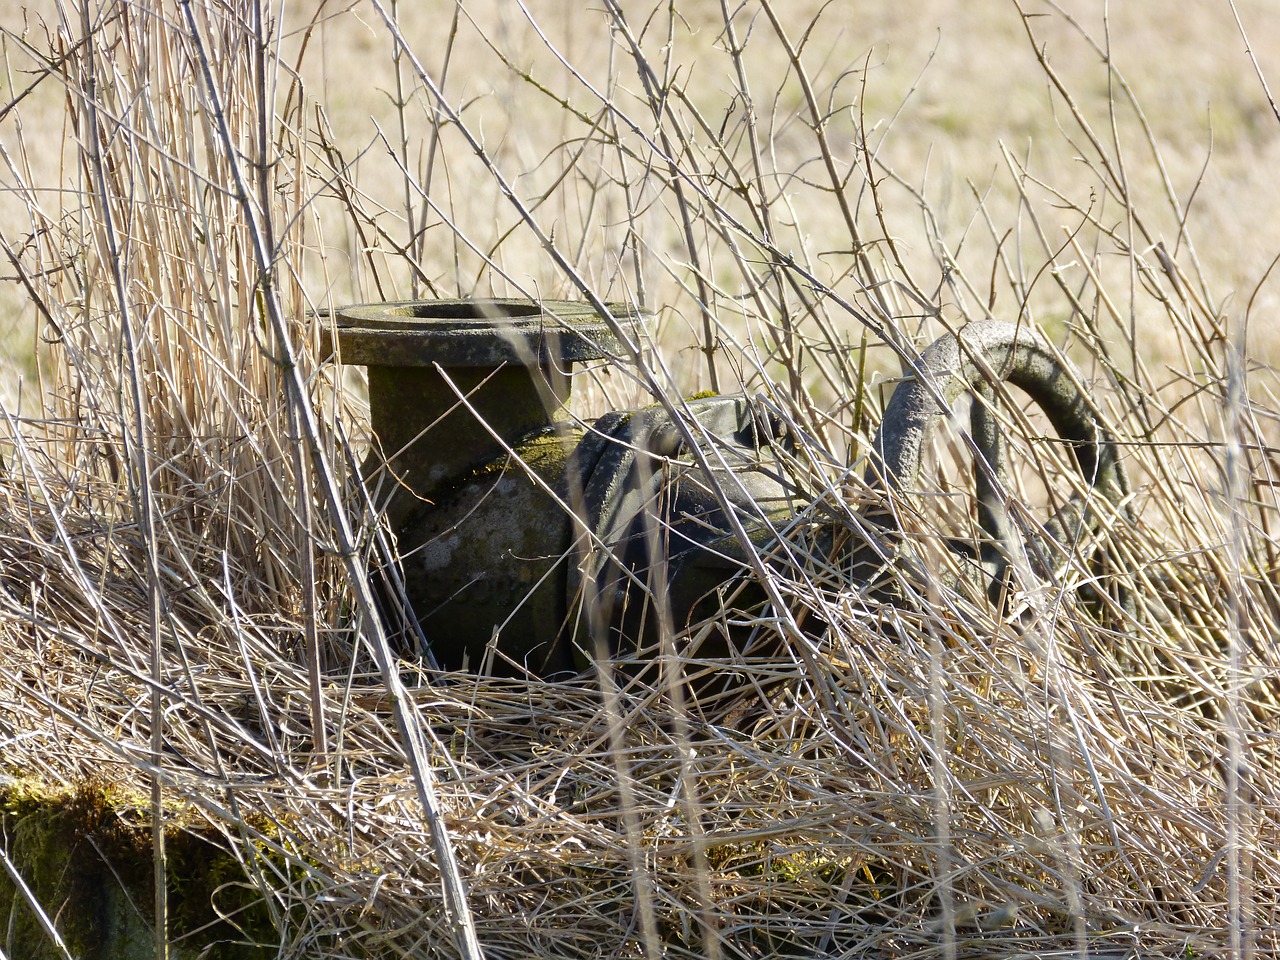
[(182, 552)]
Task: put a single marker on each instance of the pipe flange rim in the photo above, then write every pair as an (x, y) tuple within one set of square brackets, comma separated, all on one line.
[(479, 332)]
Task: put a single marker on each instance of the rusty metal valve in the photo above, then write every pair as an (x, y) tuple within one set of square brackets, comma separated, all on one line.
[(518, 528), (529, 540)]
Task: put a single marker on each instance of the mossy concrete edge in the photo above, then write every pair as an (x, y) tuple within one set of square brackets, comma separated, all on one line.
[(84, 851)]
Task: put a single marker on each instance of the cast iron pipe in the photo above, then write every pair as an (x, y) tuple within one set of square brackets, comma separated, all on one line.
[(519, 530), (530, 542)]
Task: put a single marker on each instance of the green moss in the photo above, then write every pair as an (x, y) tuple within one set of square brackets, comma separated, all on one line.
[(546, 454), (89, 864)]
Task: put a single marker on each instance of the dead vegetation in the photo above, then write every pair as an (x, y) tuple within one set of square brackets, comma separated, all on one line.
[(1089, 768)]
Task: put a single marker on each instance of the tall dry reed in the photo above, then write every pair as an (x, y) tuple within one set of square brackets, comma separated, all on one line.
[(1088, 768)]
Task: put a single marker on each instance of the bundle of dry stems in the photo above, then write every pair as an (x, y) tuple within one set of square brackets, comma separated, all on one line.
[(183, 608)]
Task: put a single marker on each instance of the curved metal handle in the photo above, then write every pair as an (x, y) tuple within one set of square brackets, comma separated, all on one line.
[(971, 362)]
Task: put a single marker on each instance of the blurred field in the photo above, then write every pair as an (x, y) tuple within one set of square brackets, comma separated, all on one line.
[(941, 92), (806, 195)]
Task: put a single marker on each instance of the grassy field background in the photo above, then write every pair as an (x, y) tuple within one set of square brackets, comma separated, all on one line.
[(805, 195), (940, 93)]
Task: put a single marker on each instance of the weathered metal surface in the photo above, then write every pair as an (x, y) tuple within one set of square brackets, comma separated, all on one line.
[(531, 545), (454, 384), (468, 406), (476, 332), (984, 354), (974, 361), (486, 563), (435, 426), (659, 545)]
